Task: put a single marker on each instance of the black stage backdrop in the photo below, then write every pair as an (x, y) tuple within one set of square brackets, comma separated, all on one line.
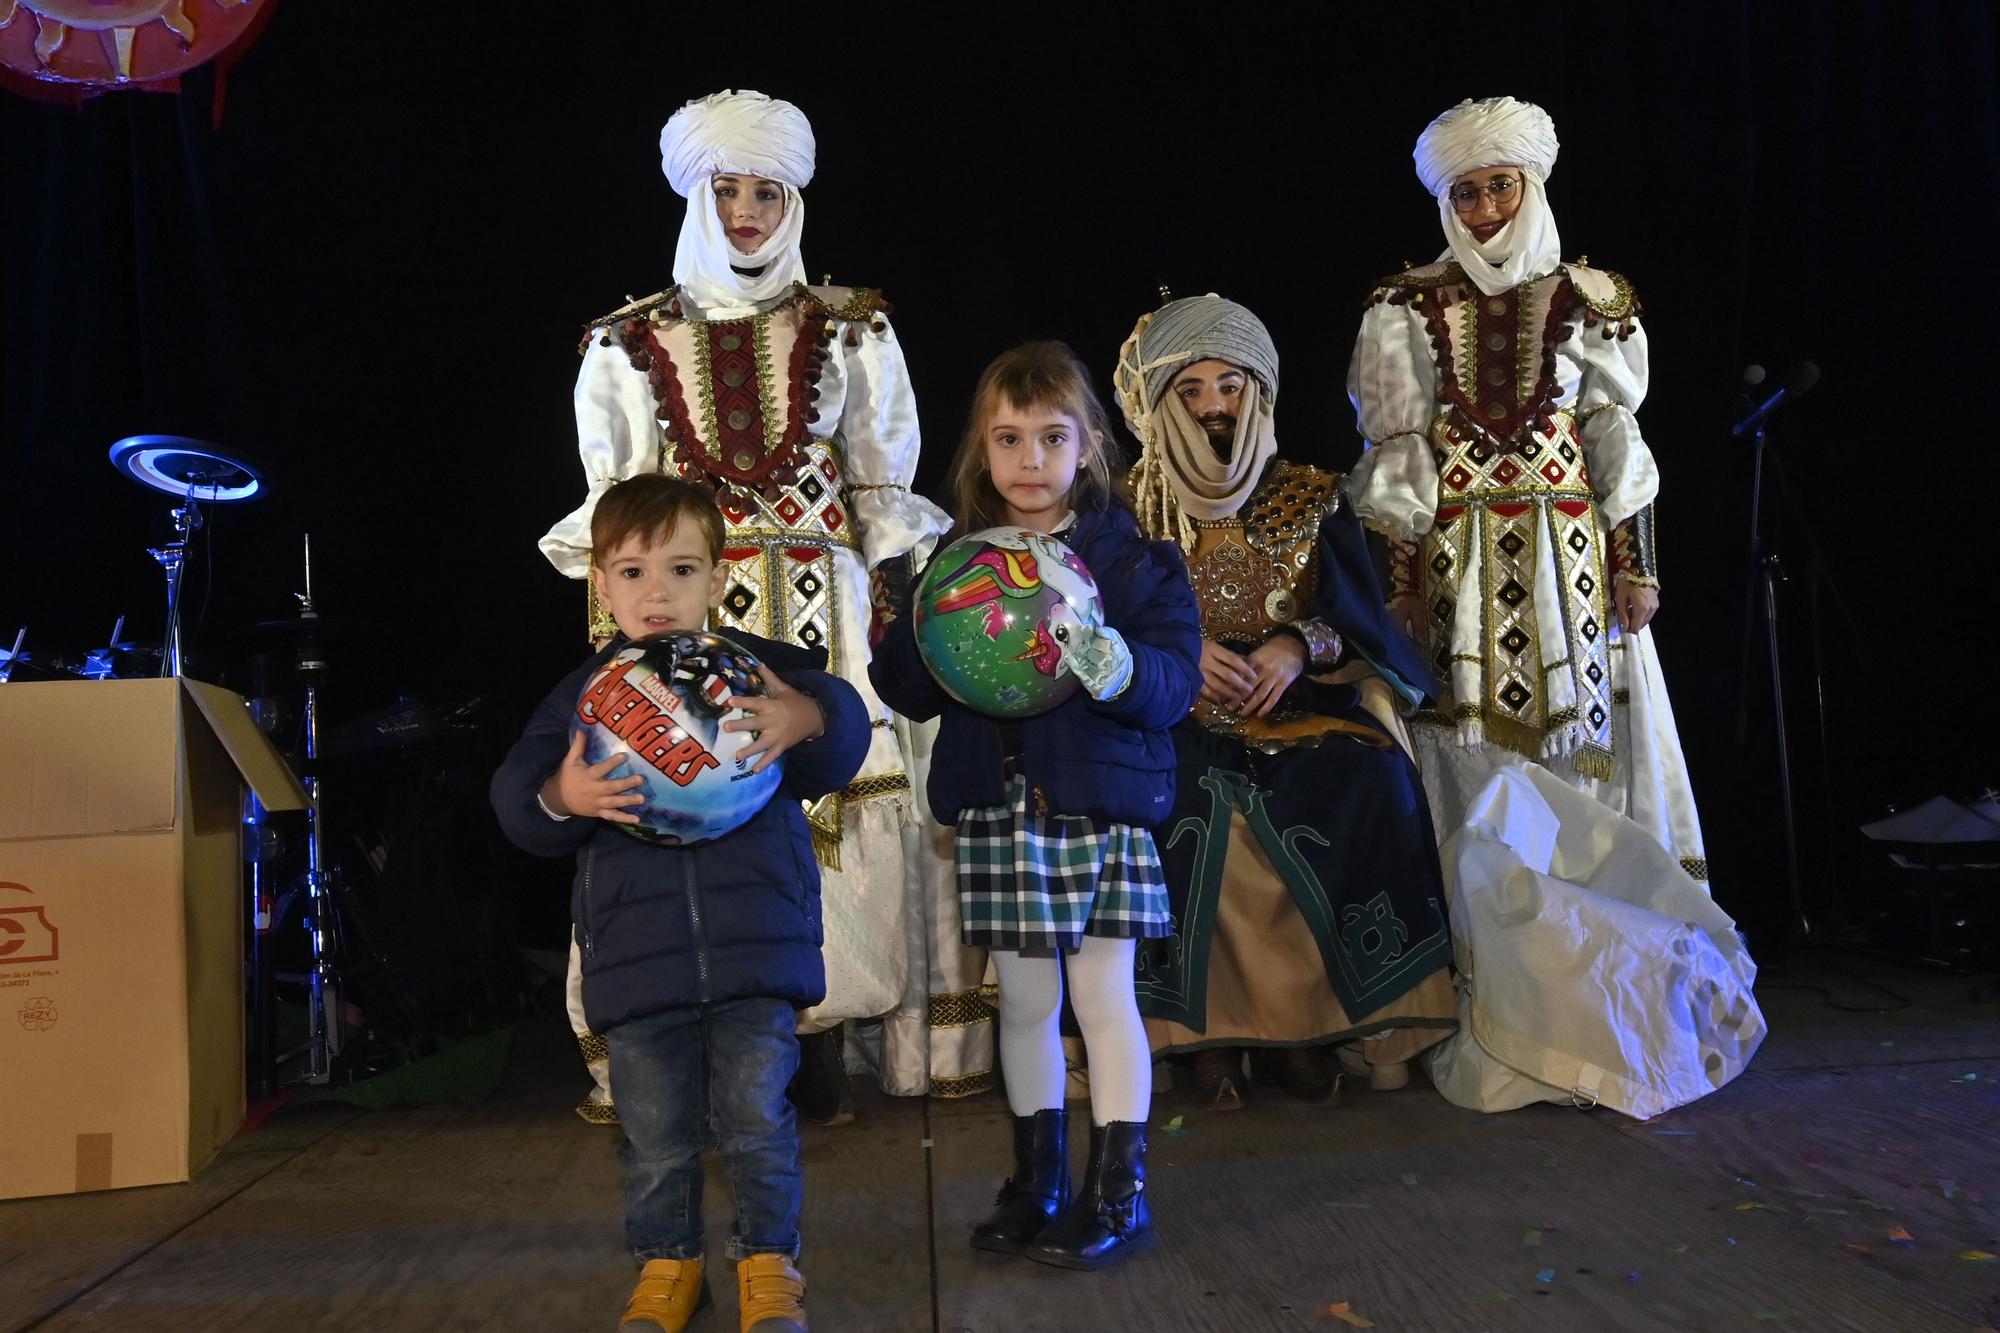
[(373, 275)]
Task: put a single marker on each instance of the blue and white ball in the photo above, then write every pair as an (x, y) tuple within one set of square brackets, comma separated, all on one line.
[(661, 703)]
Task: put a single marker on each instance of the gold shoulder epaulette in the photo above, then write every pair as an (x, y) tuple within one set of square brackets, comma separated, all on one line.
[(1609, 295), (853, 304), (1409, 286), (645, 305)]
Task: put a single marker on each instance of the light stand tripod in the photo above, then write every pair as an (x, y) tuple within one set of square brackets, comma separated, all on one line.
[(324, 1035), (194, 472)]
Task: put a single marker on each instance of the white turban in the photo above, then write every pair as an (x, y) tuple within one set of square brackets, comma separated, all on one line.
[(1496, 131), (743, 133), (737, 133)]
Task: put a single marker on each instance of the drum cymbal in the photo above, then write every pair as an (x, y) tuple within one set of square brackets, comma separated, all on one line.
[(182, 466)]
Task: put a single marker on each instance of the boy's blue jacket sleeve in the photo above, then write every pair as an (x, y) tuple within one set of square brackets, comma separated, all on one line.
[(1161, 624), (519, 779)]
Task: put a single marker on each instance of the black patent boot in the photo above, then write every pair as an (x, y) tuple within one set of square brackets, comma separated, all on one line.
[(1033, 1196), (1109, 1219)]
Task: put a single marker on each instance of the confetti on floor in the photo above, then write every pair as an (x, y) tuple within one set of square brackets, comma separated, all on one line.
[(1545, 1276), (1856, 1247), (1409, 1178), (1532, 1236), (1901, 1237), (1338, 1310), (1632, 1276), (1975, 1256), (1173, 1128)]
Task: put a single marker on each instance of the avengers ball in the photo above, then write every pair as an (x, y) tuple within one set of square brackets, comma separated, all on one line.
[(661, 703), (995, 614)]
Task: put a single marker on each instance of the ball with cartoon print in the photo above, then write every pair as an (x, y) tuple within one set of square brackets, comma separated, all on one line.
[(660, 702), (995, 614)]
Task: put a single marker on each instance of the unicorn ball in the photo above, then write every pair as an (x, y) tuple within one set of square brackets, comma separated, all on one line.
[(660, 702), (996, 613)]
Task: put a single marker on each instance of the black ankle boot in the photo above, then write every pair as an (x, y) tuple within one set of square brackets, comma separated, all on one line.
[(1109, 1219), (1031, 1198)]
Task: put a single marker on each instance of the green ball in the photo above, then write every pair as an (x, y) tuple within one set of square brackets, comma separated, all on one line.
[(997, 612)]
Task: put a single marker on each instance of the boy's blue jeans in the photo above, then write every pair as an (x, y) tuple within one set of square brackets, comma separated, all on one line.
[(686, 1078)]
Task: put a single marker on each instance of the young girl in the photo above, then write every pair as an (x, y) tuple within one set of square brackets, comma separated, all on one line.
[(1056, 861)]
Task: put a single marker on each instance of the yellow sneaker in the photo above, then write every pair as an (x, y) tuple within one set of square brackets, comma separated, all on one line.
[(770, 1295), (669, 1294)]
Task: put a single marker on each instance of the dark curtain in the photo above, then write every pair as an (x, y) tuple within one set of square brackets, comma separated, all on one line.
[(372, 275)]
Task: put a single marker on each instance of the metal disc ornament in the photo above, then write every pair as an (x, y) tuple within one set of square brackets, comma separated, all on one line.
[(661, 703), (996, 613)]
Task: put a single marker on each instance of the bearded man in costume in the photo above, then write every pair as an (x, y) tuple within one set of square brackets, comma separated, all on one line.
[(1308, 908), (793, 402), (1496, 389)]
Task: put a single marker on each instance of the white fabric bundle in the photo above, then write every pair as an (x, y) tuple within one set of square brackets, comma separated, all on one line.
[(741, 133), (1592, 968)]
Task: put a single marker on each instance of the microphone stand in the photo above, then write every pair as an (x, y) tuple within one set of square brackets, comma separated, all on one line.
[(1764, 570)]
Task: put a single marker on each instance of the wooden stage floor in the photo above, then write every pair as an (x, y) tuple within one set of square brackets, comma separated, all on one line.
[(1780, 1201)]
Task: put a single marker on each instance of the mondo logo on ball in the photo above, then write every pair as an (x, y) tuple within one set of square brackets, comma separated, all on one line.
[(661, 703)]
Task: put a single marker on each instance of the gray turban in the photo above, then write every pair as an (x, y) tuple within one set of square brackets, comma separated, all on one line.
[(743, 132), (1202, 328)]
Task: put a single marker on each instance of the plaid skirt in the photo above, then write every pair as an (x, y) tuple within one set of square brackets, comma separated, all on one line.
[(1042, 881)]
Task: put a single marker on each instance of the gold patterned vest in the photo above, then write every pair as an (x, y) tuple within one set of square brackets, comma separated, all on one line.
[(1256, 572)]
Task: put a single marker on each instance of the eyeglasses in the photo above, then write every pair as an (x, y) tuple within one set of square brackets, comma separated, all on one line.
[(1465, 198)]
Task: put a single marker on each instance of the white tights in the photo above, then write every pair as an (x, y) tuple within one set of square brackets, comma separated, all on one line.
[(1100, 991)]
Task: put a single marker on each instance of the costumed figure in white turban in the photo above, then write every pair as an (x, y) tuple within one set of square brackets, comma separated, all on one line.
[(1496, 389), (794, 403), (1308, 909)]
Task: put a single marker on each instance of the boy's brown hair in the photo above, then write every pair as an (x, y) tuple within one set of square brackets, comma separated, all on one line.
[(653, 505), (1036, 374)]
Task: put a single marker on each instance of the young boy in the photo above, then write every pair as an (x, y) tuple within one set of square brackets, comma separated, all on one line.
[(694, 958)]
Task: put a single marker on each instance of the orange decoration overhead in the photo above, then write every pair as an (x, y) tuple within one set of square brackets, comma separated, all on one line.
[(67, 50)]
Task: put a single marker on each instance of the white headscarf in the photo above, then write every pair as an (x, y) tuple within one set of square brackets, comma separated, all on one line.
[(1497, 131), (741, 133)]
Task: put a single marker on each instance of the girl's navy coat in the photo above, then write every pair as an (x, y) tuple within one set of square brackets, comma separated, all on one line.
[(668, 927), (1112, 760)]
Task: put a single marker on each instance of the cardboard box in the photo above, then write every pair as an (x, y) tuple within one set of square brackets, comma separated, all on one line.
[(121, 928)]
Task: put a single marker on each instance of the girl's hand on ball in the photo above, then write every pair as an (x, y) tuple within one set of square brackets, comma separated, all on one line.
[(578, 788), (782, 717)]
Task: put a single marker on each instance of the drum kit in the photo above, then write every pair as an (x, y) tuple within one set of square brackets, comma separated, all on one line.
[(197, 475)]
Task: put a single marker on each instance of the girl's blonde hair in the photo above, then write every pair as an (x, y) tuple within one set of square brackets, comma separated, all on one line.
[(1037, 374)]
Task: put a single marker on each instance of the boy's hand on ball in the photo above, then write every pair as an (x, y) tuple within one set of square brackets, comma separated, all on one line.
[(580, 788), (782, 717)]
